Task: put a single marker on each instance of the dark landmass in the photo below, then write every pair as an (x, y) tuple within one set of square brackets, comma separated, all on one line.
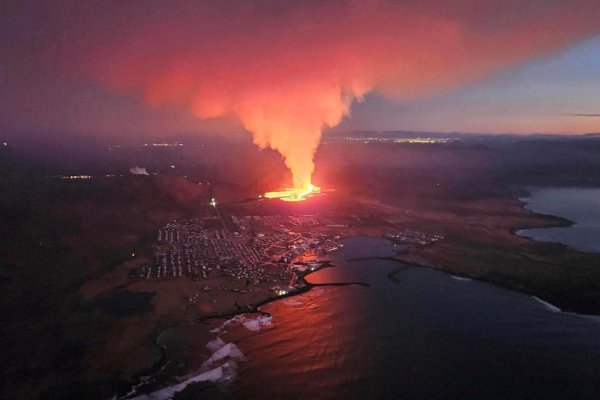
[(489, 250), (69, 246)]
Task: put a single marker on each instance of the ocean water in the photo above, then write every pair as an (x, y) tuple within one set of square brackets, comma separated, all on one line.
[(580, 205), (422, 335)]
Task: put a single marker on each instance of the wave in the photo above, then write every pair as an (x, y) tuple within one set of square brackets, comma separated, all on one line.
[(213, 375), (226, 353), (293, 302), (461, 278), (215, 344), (254, 323), (220, 366), (551, 307)]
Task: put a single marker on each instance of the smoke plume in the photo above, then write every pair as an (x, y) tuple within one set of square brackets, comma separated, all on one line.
[(289, 69)]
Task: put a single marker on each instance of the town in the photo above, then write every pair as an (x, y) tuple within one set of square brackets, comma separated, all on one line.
[(413, 238), (248, 250)]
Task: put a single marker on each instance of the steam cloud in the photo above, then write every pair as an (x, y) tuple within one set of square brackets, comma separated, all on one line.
[(289, 69), (138, 171)]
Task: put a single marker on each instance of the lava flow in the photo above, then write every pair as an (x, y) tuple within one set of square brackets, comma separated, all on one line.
[(294, 194)]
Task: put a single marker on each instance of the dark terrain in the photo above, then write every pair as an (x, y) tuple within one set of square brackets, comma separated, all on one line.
[(59, 233)]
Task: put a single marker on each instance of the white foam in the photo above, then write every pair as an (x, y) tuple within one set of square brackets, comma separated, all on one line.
[(253, 324), (214, 375), (257, 323), (220, 366), (548, 306), (224, 325), (551, 307), (461, 278), (215, 344), (228, 352)]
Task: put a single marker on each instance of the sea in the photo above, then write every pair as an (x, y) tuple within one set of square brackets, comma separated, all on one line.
[(579, 205), (410, 333)]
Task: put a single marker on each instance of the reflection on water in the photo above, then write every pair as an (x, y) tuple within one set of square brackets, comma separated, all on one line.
[(318, 348), (426, 336), (580, 205)]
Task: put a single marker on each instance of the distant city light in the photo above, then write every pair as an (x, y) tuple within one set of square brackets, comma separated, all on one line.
[(416, 140), (76, 177), (174, 144)]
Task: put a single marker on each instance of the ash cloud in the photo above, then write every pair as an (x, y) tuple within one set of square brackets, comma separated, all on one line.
[(288, 69)]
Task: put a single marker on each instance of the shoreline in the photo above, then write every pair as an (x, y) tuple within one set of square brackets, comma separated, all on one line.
[(147, 373), (560, 222), (532, 267), (461, 275), (513, 285), (553, 308), (307, 286), (465, 277), (557, 222), (391, 275), (554, 221)]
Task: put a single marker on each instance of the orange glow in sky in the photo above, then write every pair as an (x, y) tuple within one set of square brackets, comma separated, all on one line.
[(288, 72)]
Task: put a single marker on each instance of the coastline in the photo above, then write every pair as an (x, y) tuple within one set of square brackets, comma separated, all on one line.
[(464, 277), (148, 373), (579, 231), (501, 219), (554, 221), (407, 264), (408, 261), (404, 268), (490, 250)]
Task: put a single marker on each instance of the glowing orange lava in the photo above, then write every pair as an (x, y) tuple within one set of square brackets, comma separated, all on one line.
[(294, 194)]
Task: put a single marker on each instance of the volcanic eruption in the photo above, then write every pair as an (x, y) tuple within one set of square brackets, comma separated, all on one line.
[(293, 194), (288, 69)]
